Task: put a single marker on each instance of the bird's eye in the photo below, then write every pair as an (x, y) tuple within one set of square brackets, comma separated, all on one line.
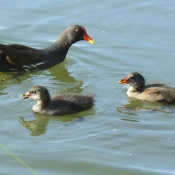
[(131, 79), (77, 30), (33, 92)]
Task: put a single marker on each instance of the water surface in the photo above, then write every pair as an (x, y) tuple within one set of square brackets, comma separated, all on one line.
[(119, 135)]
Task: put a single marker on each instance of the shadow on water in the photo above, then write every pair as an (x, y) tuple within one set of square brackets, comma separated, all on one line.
[(38, 125), (57, 74), (135, 106)]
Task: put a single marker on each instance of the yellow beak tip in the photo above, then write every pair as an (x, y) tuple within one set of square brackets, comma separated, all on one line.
[(91, 42)]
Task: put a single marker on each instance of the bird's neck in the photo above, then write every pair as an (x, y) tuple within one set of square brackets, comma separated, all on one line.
[(60, 46), (134, 93), (65, 40), (55, 54), (133, 89), (44, 102)]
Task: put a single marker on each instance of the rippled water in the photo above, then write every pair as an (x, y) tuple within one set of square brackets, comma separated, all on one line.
[(119, 135)]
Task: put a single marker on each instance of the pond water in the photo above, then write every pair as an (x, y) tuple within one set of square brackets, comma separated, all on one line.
[(118, 135)]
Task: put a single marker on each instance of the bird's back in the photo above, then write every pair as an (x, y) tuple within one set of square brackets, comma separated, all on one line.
[(161, 92), (65, 104)]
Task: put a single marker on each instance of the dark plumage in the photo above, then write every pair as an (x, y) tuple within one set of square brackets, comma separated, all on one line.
[(152, 92), (16, 57), (62, 104)]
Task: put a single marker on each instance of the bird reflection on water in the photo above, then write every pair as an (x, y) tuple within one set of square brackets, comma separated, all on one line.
[(38, 126), (134, 106)]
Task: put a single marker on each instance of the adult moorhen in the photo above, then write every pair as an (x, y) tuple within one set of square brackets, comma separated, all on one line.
[(153, 92), (62, 104), (16, 57)]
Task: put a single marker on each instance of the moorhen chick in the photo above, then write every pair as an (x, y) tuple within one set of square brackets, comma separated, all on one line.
[(62, 104), (16, 57), (153, 92)]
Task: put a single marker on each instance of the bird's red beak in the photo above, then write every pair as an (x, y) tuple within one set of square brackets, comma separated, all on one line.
[(24, 96), (86, 37), (124, 81)]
